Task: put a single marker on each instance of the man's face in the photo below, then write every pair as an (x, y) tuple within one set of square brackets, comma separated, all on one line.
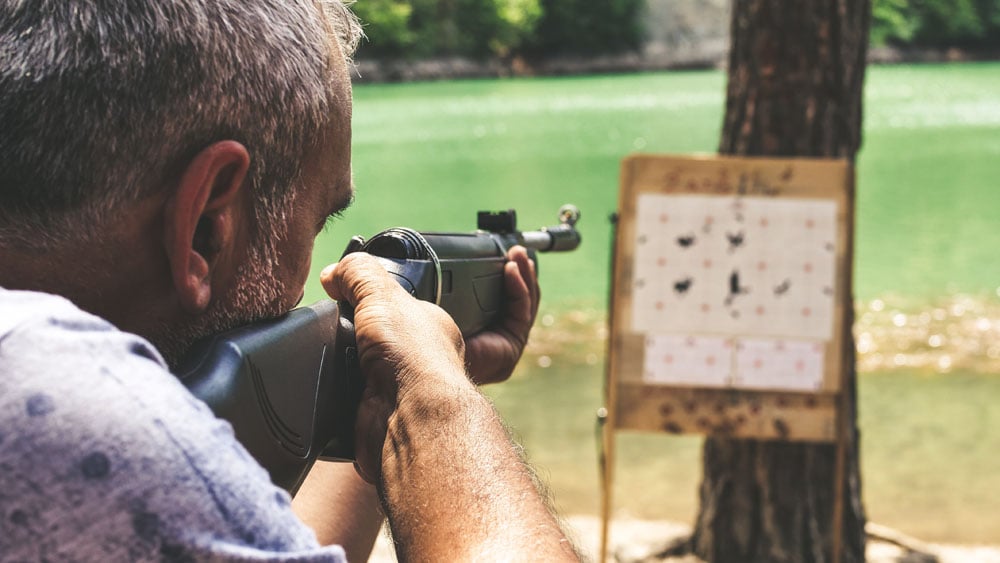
[(326, 190), (266, 286)]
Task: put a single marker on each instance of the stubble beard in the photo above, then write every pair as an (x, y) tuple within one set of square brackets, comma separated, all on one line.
[(255, 294)]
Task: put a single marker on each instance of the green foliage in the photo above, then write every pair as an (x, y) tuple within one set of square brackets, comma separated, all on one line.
[(519, 20), (950, 21), (455, 27), (936, 23), (588, 27), (500, 28), (428, 28), (893, 22), (386, 25)]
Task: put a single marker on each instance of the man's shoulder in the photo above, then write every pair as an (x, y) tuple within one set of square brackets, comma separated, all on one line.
[(99, 440), (89, 407), (71, 380), (21, 309), (50, 348), (34, 323)]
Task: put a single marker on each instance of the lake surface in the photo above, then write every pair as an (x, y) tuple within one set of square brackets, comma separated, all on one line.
[(430, 155)]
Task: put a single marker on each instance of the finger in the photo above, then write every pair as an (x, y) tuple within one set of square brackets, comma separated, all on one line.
[(518, 293), (536, 289), (526, 269), (369, 437), (357, 277)]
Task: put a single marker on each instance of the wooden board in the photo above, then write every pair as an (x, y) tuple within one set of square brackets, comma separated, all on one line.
[(729, 296), (794, 417)]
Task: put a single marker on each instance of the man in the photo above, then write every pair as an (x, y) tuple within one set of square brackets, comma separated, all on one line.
[(166, 165)]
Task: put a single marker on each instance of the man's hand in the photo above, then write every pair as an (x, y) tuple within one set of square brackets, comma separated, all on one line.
[(404, 344), (452, 483), (492, 354)]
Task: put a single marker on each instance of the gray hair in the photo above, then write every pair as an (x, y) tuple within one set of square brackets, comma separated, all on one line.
[(102, 103)]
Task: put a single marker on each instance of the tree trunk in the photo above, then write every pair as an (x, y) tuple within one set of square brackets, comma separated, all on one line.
[(795, 76)]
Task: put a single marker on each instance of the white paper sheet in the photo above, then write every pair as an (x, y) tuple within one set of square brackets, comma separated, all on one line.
[(751, 270)]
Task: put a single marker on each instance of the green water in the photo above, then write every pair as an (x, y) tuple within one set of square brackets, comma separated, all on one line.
[(929, 182), (930, 464), (429, 156)]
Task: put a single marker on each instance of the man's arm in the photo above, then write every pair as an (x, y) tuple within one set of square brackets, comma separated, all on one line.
[(455, 487), (340, 507), (452, 482)]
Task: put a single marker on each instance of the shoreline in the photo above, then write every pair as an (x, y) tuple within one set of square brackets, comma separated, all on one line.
[(633, 540), (376, 71)]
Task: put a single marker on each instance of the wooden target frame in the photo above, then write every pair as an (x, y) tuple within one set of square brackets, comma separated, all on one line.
[(684, 375)]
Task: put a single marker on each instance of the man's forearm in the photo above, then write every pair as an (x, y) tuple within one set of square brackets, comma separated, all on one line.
[(455, 487), (341, 508), (452, 484)]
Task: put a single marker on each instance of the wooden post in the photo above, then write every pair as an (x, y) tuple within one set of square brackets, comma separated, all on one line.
[(607, 457)]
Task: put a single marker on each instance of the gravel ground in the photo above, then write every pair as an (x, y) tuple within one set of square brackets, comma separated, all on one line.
[(632, 539)]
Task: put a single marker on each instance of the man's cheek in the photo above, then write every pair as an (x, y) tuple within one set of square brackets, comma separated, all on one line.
[(299, 277)]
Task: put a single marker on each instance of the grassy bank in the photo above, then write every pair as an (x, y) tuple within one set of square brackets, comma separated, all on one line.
[(930, 461)]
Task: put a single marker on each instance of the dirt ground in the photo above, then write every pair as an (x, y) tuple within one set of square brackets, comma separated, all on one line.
[(631, 540)]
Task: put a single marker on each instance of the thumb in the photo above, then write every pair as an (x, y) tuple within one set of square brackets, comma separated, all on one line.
[(357, 277)]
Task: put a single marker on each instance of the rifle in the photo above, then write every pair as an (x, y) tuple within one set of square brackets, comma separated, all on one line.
[(290, 386)]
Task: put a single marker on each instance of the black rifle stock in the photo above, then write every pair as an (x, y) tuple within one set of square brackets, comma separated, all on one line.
[(290, 386)]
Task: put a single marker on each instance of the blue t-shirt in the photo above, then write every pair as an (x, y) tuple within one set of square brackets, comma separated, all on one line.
[(105, 456)]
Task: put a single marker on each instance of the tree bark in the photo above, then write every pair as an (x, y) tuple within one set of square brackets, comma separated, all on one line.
[(795, 79)]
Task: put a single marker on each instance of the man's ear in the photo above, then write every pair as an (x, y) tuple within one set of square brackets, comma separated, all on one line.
[(200, 219)]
